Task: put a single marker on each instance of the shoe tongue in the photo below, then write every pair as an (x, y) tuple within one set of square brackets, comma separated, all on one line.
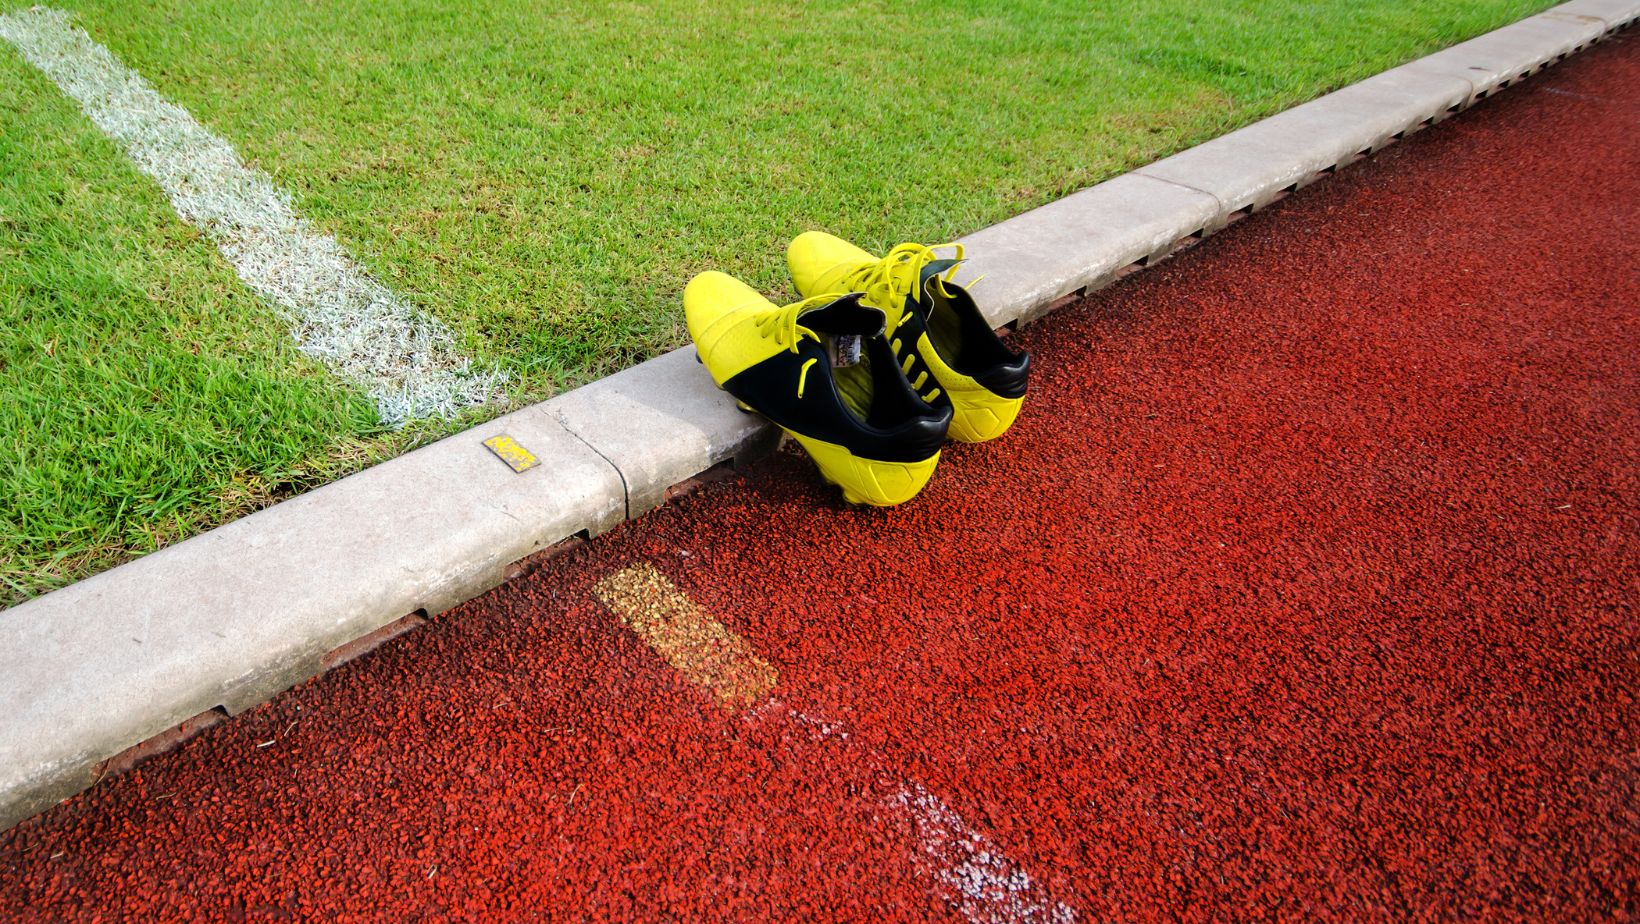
[(928, 273), (937, 266), (844, 316), (934, 268)]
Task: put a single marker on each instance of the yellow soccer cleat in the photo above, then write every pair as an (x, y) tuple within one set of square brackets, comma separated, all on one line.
[(822, 371), (929, 316)]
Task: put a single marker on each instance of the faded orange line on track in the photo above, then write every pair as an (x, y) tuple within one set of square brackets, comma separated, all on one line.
[(702, 649)]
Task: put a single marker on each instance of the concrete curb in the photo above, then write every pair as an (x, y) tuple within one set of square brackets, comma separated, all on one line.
[(221, 622), (1092, 238)]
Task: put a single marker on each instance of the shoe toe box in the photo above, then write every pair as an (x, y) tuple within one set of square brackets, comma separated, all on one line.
[(719, 310), (819, 262)]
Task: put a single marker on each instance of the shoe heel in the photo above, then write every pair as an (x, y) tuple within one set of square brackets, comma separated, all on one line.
[(978, 421)]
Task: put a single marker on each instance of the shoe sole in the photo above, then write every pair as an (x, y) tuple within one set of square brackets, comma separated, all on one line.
[(868, 481)]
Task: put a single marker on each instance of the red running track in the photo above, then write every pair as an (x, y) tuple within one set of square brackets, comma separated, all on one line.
[(1305, 587)]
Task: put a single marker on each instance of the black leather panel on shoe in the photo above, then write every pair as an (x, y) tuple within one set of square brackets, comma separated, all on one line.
[(911, 329), (844, 316), (899, 427), (1007, 379), (967, 343)]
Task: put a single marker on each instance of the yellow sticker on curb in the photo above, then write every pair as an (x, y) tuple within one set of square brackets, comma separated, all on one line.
[(507, 450)]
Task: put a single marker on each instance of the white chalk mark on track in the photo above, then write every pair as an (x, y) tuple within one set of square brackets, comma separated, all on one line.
[(970, 871), (340, 316), (973, 873)]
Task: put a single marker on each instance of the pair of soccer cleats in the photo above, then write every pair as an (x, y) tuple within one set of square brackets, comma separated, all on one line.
[(882, 360)]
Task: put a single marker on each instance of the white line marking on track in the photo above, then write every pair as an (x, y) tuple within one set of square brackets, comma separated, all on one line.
[(973, 873), (406, 360), (970, 872)]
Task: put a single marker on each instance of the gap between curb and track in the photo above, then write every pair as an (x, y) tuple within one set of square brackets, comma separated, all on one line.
[(103, 672)]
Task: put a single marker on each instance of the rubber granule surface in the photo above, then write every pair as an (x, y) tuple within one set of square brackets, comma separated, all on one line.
[(1304, 588)]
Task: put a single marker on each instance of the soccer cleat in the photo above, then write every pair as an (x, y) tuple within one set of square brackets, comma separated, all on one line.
[(929, 316), (822, 371)]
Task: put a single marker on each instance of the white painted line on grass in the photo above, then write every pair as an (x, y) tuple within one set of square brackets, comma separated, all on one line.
[(340, 316), (970, 872)]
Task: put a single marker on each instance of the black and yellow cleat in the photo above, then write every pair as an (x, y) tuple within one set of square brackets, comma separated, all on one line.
[(928, 316), (823, 371)]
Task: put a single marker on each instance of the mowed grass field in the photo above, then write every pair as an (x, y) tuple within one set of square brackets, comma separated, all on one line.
[(544, 179)]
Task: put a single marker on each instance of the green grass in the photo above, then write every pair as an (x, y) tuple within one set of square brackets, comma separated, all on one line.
[(545, 180), (144, 394)]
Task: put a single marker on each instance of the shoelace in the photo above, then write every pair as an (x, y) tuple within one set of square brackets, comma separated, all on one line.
[(898, 275), (783, 327)]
